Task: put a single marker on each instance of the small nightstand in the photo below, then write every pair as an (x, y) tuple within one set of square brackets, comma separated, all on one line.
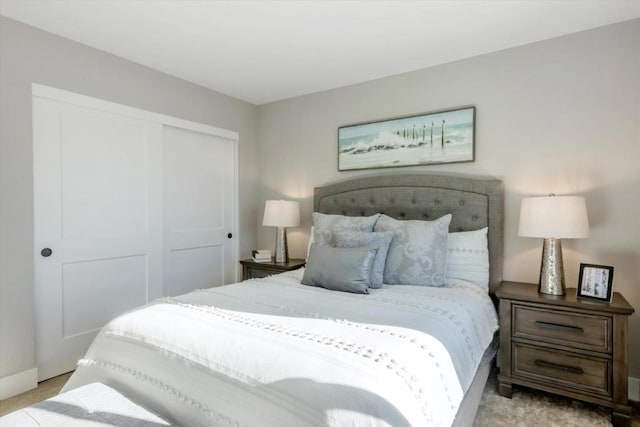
[(566, 346), (256, 270)]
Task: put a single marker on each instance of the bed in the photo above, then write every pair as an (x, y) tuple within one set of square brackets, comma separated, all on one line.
[(274, 352)]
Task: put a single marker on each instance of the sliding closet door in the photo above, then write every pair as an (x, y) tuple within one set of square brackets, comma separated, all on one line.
[(129, 206), (199, 175), (98, 225)]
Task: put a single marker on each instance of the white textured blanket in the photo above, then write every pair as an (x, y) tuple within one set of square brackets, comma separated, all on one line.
[(272, 352)]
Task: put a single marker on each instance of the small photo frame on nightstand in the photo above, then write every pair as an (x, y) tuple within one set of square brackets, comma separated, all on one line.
[(595, 282)]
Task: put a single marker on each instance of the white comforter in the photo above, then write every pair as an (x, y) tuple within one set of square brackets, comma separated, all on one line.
[(272, 352)]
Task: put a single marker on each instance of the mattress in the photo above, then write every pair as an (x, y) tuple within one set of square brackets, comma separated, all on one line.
[(273, 352)]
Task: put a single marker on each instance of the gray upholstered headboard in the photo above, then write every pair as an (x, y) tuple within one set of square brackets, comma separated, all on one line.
[(474, 204)]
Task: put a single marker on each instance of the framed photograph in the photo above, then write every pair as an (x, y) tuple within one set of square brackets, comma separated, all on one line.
[(426, 139), (595, 282)]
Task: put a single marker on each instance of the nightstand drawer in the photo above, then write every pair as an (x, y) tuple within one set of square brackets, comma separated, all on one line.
[(569, 329), (563, 369)]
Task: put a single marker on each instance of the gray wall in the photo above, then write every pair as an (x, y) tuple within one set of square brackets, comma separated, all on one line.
[(562, 116), (29, 55)]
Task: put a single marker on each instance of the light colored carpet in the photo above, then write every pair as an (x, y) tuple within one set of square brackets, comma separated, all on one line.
[(526, 408), (533, 408)]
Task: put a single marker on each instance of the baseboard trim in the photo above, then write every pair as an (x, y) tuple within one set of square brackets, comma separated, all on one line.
[(12, 385), (634, 389)]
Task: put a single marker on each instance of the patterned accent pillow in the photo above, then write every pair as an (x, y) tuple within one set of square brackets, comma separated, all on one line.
[(469, 257), (418, 251), (325, 226), (380, 241), (339, 269)]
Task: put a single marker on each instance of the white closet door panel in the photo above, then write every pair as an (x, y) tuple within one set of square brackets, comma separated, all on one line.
[(198, 168), (98, 207), (194, 178), (105, 173), (194, 268), (96, 291)]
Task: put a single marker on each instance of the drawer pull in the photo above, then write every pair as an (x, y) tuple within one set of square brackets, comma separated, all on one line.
[(564, 368), (558, 327)]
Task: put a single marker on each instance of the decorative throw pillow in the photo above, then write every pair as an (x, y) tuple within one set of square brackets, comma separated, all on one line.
[(469, 257), (339, 269), (418, 251), (326, 226), (380, 241)]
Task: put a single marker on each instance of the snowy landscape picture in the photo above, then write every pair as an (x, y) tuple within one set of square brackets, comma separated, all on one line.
[(427, 139)]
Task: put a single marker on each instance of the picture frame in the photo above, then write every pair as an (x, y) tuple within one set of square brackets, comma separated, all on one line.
[(595, 282), (433, 138)]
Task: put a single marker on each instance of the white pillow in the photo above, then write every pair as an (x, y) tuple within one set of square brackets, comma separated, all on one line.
[(468, 258)]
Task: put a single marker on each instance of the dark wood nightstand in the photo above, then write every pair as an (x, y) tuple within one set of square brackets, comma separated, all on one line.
[(564, 345), (256, 270)]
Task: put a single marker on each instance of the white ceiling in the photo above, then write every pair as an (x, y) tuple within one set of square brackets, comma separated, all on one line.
[(264, 51)]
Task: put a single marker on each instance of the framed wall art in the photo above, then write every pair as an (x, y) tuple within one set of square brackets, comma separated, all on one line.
[(595, 282), (426, 139)]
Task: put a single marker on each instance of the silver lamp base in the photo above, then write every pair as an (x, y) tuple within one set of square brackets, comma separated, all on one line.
[(552, 269), (281, 245)]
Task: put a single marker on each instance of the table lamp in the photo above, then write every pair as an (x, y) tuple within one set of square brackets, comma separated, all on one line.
[(553, 218), (281, 214)]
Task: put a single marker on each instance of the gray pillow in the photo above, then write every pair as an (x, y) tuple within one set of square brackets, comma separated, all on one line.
[(380, 241), (339, 269), (325, 226), (418, 251)]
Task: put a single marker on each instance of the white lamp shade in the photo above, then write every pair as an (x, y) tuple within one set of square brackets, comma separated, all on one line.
[(560, 217), (281, 213)]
